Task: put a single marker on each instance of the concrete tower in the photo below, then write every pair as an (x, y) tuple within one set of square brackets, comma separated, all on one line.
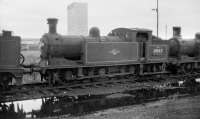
[(77, 18)]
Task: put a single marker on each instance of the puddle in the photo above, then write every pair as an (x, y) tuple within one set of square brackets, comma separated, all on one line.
[(19, 109), (197, 80), (55, 106)]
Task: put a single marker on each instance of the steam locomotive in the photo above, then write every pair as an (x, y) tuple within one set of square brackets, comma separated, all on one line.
[(123, 52)]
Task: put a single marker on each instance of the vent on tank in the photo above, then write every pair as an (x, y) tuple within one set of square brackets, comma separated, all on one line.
[(197, 35), (94, 32), (7, 35)]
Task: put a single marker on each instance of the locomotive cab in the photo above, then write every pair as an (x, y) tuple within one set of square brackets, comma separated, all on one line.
[(139, 35), (142, 38)]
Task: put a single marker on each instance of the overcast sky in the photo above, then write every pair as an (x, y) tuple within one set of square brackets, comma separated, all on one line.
[(27, 18)]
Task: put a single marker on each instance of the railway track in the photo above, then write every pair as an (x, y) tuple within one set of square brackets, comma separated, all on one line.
[(88, 87)]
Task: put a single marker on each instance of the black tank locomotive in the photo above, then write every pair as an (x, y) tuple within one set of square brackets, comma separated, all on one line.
[(123, 52), (184, 54)]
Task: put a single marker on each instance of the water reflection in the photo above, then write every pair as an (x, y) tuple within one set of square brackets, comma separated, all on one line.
[(197, 80), (7, 111), (54, 106), (27, 105)]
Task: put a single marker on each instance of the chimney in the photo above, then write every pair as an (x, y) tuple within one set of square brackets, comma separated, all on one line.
[(52, 25), (197, 35), (176, 31), (7, 35)]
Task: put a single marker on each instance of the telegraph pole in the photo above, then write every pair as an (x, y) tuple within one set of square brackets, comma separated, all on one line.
[(166, 31), (157, 13)]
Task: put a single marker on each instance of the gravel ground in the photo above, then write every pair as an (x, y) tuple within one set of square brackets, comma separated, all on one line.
[(172, 108)]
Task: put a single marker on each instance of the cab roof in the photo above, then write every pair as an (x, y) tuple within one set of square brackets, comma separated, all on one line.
[(133, 29)]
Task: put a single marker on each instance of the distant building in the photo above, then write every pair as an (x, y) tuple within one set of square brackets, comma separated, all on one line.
[(77, 18), (30, 44)]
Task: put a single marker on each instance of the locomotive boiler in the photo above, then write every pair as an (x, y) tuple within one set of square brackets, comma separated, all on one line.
[(54, 45)]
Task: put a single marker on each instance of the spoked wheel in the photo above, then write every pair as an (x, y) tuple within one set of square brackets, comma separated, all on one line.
[(49, 77), (187, 68), (52, 77), (5, 79), (22, 58), (68, 75)]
